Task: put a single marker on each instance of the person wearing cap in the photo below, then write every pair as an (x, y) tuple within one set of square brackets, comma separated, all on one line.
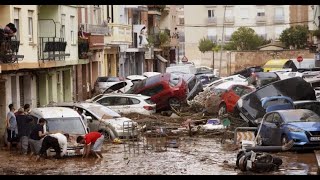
[(56, 141), (93, 142), (24, 122)]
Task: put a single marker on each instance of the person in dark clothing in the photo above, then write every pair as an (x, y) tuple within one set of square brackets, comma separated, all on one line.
[(7, 32), (36, 135), (55, 141), (24, 122)]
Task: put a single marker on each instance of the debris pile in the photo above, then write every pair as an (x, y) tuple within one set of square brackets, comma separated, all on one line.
[(198, 103)]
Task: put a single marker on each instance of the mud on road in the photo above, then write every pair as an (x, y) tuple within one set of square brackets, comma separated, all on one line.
[(196, 155)]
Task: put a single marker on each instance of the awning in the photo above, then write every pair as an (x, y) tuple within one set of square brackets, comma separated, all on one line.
[(161, 58)]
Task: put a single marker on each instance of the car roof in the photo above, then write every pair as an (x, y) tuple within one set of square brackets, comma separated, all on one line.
[(228, 84), (126, 95), (305, 101), (54, 112)]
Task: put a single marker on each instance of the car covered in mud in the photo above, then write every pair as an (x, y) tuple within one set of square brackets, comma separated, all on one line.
[(165, 90), (127, 103), (225, 96), (64, 120), (194, 84), (236, 78), (259, 79), (250, 107), (280, 126), (101, 118)]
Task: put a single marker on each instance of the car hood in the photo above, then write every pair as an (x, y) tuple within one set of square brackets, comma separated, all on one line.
[(118, 121), (250, 104), (307, 126)]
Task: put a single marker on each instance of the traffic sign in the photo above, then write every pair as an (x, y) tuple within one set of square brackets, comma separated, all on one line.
[(299, 59)]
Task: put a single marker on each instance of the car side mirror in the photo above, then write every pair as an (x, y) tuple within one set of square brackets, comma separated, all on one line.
[(277, 124), (89, 118)]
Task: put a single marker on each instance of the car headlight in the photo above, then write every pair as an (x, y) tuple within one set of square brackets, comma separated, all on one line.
[(240, 102), (295, 129)]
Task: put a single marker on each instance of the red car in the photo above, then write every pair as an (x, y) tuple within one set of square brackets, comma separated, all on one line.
[(225, 96), (165, 90)]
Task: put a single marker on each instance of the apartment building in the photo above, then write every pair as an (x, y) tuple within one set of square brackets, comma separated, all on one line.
[(212, 21), (298, 15), (180, 51), (36, 67)]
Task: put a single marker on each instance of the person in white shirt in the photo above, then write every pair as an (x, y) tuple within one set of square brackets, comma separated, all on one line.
[(57, 141)]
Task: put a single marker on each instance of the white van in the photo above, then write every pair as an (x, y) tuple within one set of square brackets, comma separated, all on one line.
[(64, 120), (186, 69)]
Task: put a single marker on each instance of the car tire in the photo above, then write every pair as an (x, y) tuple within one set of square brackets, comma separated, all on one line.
[(222, 109), (174, 103), (284, 139)]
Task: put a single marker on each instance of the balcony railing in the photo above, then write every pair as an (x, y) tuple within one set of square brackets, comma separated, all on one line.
[(96, 29), (261, 19), (229, 20), (9, 51), (83, 48), (96, 41), (52, 48), (278, 19), (212, 21)]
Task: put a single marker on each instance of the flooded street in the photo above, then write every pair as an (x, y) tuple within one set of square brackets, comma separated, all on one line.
[(194, 156)]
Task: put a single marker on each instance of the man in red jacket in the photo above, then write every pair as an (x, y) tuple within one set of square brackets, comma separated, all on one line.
[(92, 141)]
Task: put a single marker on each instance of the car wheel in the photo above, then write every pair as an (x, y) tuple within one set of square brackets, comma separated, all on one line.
[(284, 139), (174, 103), (106, 135), (222, 110)]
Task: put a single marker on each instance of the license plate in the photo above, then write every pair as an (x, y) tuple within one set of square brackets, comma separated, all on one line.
[(71, 153), (314, 138)]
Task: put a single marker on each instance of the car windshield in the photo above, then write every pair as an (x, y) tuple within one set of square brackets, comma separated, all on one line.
[(313, 106), (301, 115), (101, 111), (71, 125)]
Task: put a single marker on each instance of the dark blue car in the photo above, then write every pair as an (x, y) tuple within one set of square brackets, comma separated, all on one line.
[(280, 126)]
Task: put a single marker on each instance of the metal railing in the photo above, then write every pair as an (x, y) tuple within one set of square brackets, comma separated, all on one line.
[(96, 29), (9, 51), (212, 20), (52, 48)]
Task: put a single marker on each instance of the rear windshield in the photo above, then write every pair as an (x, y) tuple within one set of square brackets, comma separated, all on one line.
[(149, 101), (108, 79)]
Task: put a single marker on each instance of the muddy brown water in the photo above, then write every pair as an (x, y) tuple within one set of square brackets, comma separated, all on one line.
[(194, 156)]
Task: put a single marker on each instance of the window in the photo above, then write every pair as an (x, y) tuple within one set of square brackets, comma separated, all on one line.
[(181, 20), (269, 118), (152, 91), (261, 12), (210, 13), (244, 12), (276, 118), (279, 14), (107, 101), (62, 30), (134, 101), (30, 26), (72, 30), (120, 101), (16, 22), (212, 34), (237, 90)]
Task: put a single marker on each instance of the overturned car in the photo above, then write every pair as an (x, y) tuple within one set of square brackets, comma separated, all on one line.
[(250, 107)]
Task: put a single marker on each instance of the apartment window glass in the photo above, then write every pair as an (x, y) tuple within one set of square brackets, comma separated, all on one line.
[(62, 30), (244, 13), (279, 12), (30, 26), (72, 30), (228, 33), (212, 34), (261, 12), (210, 13), (181, 19), (16, 16)]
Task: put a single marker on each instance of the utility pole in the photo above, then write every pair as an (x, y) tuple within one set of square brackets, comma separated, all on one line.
[(221, 49)]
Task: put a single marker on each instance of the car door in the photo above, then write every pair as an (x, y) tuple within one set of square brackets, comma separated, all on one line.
[(93, 123), (275, 130), (232, 97), (135, 105), (265, 128), (121, 105), (109, 102)]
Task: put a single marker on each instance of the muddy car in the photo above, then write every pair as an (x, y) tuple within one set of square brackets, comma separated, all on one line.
[(65, 120), (296, 88), (194, 84), (280, 126), (259, 79), (165, 90), (225, 96)]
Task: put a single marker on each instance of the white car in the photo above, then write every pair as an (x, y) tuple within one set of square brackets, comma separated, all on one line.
[(135, 78), (101, 118), (126, 103), (236, 78)]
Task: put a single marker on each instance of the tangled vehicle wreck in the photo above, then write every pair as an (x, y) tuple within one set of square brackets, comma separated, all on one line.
[(250, 106)]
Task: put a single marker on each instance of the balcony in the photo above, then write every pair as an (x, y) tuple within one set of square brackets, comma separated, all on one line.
[(212, 21), (52, 48), (119, 33), (229, 20), (96, 29), (9, 51), (96, 42), (278, 19), (261, 19)]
